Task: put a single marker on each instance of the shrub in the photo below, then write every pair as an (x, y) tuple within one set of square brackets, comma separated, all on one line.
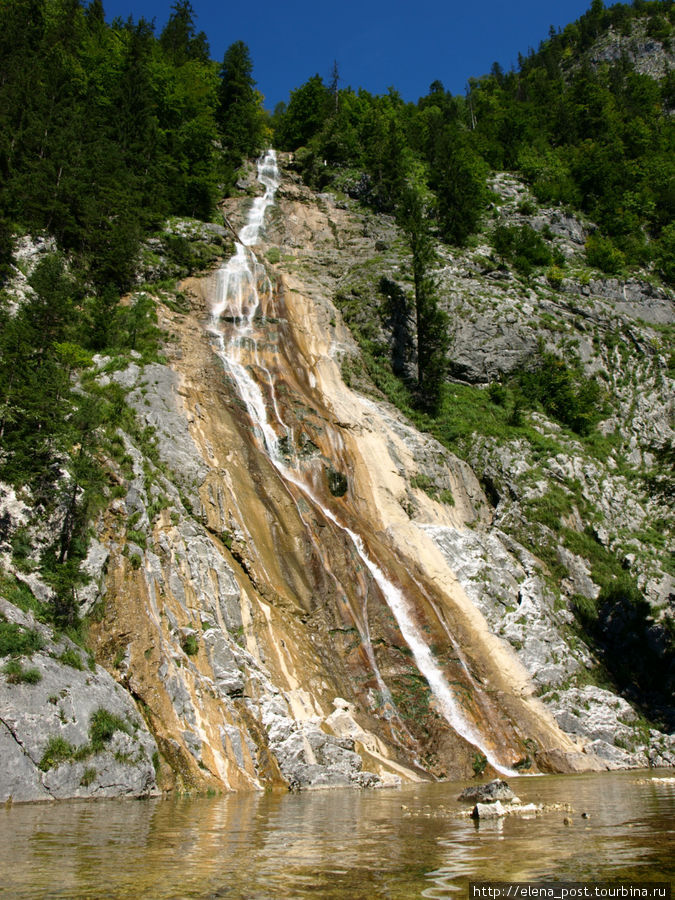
[(190, 645), (88, 777), (337, 483), (15, 640), (137, 537), (497, 393), (102, 727), (58, 750), (72, 658), (523, 247), (16, 674), (602, 254), (564, 393), (555, 276), (479, 763)]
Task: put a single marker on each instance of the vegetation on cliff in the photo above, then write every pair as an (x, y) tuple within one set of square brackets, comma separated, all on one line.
[(111, 135), (594, 136)]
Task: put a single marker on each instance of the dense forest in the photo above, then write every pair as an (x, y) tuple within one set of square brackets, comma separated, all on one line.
[(107, 130), (595, 137)]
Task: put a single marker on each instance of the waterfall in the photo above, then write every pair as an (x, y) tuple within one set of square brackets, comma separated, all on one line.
[(242, 284)]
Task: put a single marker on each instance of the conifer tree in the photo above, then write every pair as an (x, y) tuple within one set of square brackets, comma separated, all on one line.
[(239, 115), (179, 39), (431, 320)]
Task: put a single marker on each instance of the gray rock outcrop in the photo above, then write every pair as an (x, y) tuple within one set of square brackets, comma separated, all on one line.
[(70, 731)]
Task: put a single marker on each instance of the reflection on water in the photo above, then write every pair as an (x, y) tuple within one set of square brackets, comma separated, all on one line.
[(352, 845)]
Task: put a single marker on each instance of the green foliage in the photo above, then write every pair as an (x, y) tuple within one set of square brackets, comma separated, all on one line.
[(603, 255), (104, 130), (6, 249), (497, 393), (412, 696), (102, 726), (190, 645), (555, 277), (15, 640), (306, 113), (564, 392), (179, 39), (457, 176), (57, 751), (665, 254), (16, 674), (522, 246), (239, 113), (337, 483), (19, 594), (88, 776), (479, 764), (71, 657), (432, 321)]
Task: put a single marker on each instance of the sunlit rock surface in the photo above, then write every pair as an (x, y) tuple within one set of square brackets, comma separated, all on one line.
[(249, 628)]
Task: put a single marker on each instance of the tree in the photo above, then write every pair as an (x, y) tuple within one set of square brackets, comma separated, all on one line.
[(35, 393), (239, 114), (334, 83), (431, 320), (305, 114), (179, 39), (6, 249), (458, 177)]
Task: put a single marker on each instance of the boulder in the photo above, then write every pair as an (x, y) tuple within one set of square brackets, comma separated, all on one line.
[(488, 811), (492, 792)]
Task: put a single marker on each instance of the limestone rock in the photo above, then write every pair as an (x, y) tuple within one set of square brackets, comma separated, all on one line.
[(62, 705), (488, 811)]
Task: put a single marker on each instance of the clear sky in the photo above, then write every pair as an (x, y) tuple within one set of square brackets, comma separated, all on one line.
[(376, 44)]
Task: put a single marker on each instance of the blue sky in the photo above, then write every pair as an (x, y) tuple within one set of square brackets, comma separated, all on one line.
[(377, 44)]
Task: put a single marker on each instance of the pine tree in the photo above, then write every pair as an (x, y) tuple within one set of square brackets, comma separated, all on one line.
[(239, 115), (180, 40), (431, 320)]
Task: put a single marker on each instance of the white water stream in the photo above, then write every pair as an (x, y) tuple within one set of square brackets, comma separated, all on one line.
[(241, 282)]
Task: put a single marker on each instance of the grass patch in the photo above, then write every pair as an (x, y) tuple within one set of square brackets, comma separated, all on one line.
[(16, 674), (57, 751), (20, 595), (103, 726), (15, 640), (71, 658), (88, 776), (190, 645)]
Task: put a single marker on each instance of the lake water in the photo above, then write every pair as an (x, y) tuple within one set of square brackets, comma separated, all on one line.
[(351, 845)]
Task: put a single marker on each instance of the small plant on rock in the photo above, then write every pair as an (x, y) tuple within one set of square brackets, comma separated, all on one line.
[(16, 674), (102, 727), (190, 645), (478, 764)]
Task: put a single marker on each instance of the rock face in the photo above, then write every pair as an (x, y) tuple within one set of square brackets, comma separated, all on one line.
[(649, 55), (374, 617), (242, 614), (68, 731)]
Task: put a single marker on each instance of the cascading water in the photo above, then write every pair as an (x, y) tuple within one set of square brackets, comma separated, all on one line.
[(241, 285)]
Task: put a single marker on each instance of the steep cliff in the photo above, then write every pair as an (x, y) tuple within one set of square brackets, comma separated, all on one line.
[(349, 609), (572, 561)]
